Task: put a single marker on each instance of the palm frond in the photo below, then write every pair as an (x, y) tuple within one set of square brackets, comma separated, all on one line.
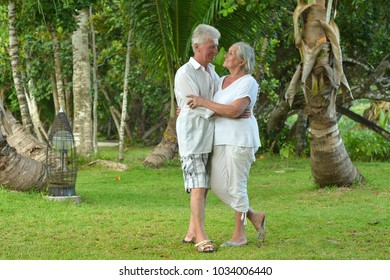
[(164, 28), (242, 25), (187, 15)]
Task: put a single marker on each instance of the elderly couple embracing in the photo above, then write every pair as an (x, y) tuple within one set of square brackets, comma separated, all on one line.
[(218, 134)]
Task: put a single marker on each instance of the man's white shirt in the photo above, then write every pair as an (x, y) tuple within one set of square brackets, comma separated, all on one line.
[(194, 127)]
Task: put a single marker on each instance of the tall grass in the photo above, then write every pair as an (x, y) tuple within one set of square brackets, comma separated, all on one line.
[(142, 214)]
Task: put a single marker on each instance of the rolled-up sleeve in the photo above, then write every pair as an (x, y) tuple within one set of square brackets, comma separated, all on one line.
[(194, 127), (185, 85)]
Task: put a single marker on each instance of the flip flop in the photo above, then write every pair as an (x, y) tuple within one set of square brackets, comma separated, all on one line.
[(261, 231), (232, 244), (187, 242)]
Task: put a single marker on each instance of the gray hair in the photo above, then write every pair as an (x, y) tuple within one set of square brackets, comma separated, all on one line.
[(247, 54), (202, 33)]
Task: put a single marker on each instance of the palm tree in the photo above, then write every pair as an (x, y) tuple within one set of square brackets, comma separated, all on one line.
[(165, 29), (20, 151), (15, 65), (82, 125), (124, 97), (319, 75), (57, 68), (95, 83)]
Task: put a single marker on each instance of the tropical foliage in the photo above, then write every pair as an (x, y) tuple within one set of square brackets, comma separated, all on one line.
[(160, 44)]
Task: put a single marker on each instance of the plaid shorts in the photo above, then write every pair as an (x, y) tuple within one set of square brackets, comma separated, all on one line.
[(195, 171)]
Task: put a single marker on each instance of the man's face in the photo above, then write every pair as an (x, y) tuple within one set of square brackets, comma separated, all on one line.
[(206, 52)]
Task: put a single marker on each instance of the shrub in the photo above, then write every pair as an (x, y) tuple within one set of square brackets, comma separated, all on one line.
[(365, 145)]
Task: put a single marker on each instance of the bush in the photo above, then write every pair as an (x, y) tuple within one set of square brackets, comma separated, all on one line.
[(361, 144), (365, 145)]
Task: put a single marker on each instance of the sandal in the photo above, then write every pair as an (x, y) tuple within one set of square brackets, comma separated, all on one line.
[(205, 246), (233, 244), (261, 231)]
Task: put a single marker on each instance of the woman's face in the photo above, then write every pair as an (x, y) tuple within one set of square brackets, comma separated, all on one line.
[(232, 61)]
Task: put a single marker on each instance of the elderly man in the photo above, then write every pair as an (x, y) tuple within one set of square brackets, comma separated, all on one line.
[(195, 130)]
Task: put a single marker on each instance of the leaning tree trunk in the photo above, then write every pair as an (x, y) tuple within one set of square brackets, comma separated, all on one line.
[(20, 138), (22, 156), (18, 172), (320, 75), (167, 148), (15, 65), (82, 122)]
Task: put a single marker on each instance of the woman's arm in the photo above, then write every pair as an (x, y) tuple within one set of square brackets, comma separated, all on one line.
[(185, 85), (233, 110)]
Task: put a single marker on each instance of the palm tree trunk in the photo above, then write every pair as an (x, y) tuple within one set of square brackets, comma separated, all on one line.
[(18, 172), (20, 138), (124, 102), (15, 65), (22, 156), (330, 162), (57, 69), (82, 123), (55, 94), (68, 100), (167, 148), (95, 86), (320, 76), (39, 130)]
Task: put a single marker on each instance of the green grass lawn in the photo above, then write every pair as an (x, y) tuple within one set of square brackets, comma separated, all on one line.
[(142, 214)]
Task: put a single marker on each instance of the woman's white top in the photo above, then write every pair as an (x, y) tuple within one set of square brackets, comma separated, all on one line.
[(243, 131)]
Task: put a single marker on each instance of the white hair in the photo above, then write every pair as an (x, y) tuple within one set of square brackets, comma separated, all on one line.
[(247, 54), (202, 33)]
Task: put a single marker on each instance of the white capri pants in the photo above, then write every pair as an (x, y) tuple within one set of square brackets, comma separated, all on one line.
[(230, 166)]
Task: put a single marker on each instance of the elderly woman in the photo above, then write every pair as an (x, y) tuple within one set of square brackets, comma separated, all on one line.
[(236, 140)]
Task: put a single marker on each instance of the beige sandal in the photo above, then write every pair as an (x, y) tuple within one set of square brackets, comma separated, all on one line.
[(205, 246)]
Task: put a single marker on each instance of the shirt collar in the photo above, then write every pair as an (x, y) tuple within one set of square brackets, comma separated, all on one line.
[(197, 65)]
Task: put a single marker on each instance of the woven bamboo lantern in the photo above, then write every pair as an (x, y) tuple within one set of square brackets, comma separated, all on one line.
[(61, 160)]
